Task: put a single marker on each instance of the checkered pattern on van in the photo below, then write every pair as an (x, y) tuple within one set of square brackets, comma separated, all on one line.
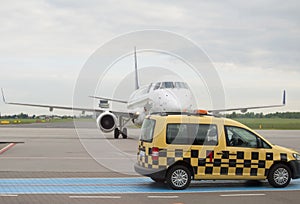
[(241, 163)]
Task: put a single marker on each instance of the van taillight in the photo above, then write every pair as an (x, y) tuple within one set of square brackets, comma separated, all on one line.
[(155, 153)]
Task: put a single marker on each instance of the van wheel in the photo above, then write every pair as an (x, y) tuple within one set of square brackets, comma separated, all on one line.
[(279, 176), (178, 177)]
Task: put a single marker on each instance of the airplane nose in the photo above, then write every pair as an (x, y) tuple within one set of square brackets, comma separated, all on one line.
[(177, 102)]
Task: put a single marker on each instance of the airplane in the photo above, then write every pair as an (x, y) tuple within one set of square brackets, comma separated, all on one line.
[(161, 96)]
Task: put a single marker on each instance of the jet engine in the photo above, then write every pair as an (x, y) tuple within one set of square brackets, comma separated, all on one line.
[(106, 121)]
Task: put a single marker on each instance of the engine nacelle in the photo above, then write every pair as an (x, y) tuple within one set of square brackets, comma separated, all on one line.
[(107, 121)]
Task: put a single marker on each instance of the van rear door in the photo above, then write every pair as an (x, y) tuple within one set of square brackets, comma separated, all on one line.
[(146, 138)]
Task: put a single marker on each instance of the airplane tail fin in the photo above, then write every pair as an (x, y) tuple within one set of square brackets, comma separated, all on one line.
[(137, 86), (3, 97), (284, 98)]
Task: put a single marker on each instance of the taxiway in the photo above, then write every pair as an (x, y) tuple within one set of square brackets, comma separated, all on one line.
[(58, 164)]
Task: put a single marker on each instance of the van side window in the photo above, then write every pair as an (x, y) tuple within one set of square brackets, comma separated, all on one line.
[(192, 134), (239, 137)]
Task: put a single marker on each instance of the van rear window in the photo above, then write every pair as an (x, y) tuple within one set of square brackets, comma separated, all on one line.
[(147, 130), (193, 134)]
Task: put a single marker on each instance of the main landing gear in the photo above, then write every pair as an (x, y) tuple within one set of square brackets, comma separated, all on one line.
[(117, 132), (121, 130)]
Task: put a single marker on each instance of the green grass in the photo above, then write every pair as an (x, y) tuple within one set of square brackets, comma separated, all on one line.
[(28, 121), (254, 123), (271, 123)]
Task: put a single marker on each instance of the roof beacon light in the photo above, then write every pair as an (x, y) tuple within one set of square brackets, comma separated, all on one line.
[(202, 112)]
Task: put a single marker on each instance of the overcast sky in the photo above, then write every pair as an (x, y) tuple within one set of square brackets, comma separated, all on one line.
[(254, 45)]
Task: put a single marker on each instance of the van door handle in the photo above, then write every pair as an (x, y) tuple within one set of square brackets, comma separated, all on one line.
[(233, 154), (220, 153)]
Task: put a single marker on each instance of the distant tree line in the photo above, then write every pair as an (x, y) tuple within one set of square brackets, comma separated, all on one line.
[(20, 116), (291, 115), (26, 116)]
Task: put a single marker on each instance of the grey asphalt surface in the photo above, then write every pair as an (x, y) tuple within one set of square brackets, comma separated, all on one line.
[(58, 150)]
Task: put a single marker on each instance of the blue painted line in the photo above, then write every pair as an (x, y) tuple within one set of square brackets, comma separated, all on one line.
[(121, 185), (77, 181)]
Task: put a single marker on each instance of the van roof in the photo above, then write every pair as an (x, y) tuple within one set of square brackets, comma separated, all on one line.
[(180, 113), (207, 117)]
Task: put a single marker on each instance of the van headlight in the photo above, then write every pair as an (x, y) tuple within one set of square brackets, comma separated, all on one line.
[(296, 156)]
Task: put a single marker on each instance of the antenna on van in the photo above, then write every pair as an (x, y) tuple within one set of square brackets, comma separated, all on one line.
[(136, 71)]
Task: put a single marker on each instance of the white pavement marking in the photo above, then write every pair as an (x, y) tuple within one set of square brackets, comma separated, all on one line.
[(8, 195), (168, 197), (54, 158), (95, 197), (240, 195)]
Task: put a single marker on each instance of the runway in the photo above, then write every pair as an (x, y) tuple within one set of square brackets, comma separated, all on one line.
[(55, 165)]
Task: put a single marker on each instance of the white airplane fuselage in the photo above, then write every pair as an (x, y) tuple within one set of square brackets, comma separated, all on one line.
[(160, 97)]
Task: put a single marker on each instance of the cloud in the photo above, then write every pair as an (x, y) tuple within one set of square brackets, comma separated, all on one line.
[(263, 34), (49, 41)]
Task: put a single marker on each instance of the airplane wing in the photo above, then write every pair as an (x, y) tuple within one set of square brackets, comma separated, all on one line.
[(52, 107), (109, 99), (245, 109)]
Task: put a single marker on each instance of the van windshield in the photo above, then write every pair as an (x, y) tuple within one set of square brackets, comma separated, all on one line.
[(147, 130)]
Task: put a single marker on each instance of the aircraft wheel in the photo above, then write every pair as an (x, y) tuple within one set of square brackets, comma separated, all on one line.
[(124, 133), (116, 133)]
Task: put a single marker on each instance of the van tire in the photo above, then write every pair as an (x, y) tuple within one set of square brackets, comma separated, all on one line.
[(178, 177), (279, 175)]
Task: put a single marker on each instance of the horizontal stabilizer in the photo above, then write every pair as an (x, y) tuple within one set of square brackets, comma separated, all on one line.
[(109, 99), (245, 109)]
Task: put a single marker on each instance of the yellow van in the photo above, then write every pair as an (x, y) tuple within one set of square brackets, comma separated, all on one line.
[(177, 147)]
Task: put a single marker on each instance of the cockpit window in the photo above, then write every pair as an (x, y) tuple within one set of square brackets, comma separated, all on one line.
[(181, 85), (149, 87), (167, 85), (157, 85), (170, 85)]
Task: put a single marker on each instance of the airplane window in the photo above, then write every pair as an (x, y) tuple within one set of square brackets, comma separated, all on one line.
[(177, 85), (185, 86), (181, 85), (157, 85), (167, 85), (149, 88)]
